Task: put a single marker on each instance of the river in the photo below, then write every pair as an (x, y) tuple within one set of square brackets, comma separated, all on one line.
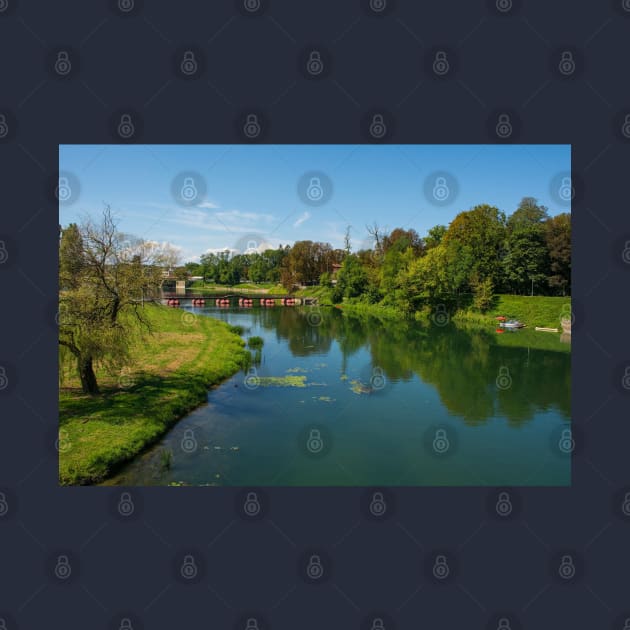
[(383, 404)]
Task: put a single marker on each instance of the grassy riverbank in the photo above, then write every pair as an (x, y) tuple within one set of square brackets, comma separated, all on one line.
[(533, 311), (170, 373)]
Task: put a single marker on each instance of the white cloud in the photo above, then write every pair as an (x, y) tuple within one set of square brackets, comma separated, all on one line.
[(208, 205), (304, 217)]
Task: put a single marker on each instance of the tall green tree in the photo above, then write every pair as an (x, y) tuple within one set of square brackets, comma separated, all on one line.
[(558, 240), (526, 262)]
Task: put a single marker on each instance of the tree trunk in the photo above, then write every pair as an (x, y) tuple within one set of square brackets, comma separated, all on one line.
[(88, 378)]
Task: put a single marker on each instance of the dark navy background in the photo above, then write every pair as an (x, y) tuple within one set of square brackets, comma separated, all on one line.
[(503, 58)]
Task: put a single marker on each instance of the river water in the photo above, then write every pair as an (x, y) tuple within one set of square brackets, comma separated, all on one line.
[(383, 404)]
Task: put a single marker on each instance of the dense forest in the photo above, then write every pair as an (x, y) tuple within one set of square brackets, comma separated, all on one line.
[(479, 254)]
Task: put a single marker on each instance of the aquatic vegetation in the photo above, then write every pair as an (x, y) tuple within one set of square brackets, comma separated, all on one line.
[(296, 370), (166, 459), (282, 381), (324, 398), (343, 377), (360, 388), (255, 343)]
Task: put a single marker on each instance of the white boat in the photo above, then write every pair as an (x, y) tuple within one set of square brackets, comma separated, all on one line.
[(512, 323)]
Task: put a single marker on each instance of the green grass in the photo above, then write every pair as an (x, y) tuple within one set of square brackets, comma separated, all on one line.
[(533, 311), (171, 370), (242, 287), (323, 294)]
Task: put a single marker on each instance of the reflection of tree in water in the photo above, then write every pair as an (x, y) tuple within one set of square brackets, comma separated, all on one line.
[(303, 337), (464, 365)]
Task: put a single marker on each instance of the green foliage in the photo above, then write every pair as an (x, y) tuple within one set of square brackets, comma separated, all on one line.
[(483, 294), (104, 276), (325, 279), (255, 342), (352, 279)]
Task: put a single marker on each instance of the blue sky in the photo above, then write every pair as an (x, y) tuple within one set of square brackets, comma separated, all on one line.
[(246, 195)]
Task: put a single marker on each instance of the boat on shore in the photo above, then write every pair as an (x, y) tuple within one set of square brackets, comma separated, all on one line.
[(511, 324)]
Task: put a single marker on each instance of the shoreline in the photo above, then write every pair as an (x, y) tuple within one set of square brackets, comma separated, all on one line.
[(99, 435)]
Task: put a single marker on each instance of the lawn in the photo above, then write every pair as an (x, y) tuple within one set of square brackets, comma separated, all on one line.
[(171, 371)]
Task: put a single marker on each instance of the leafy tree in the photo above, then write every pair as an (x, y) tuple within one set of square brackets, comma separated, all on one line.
[(434, 236), (325, 280), (352, 279), (526, 261), (104, 276), (558, 240), (480, 233)]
